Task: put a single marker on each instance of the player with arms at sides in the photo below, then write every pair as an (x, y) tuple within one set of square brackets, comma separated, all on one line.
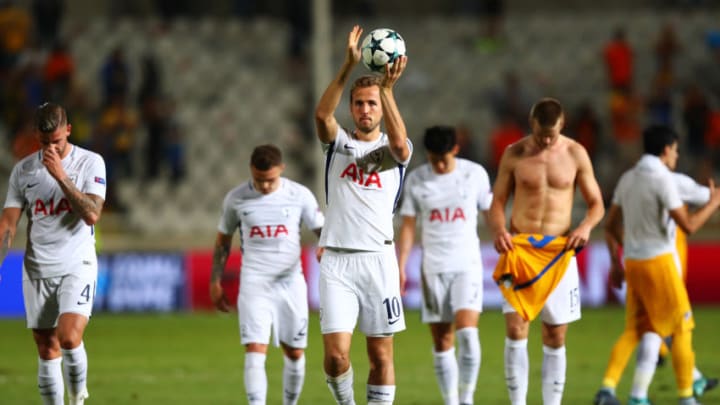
[(537, 271), (446, 194), (645, 204), (359, 276), (695, 195), (272, 299), (61, 189)]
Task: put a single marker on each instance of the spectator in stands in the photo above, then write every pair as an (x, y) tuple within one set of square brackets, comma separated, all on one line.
[(47, 15), (696, 113), (625, 113), (115, 141), (115, 76), (708, 69), (618, 56), (659, 103), (25, 140), (298, 15), (59, 72), (667, 48), (15, 26), (585, 128), (466, 145), (511, 100), (506, 133), (491, 14), (151, 80)]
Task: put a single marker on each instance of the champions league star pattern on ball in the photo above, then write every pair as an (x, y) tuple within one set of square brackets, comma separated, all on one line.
[(380, 47)]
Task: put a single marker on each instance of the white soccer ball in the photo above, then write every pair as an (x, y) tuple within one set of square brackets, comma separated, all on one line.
[(381, 47)]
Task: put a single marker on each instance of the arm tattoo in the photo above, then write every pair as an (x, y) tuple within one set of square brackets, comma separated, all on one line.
[(220, 257), (82, 203)]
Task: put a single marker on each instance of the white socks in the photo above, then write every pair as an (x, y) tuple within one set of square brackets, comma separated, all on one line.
[(341, 387), (516, 370), (293, 377), (380, 394), (468, 362), (553, 374), (645, 364), (255, 378), (50, 381), (74, 365), (446, 372)]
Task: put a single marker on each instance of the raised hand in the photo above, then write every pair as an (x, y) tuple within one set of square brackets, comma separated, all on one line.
[(353, 49), (393, 73)]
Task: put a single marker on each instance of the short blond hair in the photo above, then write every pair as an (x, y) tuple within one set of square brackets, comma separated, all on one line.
[(364, 81)]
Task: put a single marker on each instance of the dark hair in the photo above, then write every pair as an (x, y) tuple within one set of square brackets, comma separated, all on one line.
[(364, 81), (440, 139), (657, 137), (49, 117), (265, 157), (547, 112)]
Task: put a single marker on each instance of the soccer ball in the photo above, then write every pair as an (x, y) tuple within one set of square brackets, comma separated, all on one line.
[(381, 47)]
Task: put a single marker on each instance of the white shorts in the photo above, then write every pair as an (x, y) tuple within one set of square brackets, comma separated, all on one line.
[(276, 306), (563, 304), (446, 293), (47, 298), (360, 287)]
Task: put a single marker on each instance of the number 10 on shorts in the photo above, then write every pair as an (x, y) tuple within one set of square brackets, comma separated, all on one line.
[(393, 309)]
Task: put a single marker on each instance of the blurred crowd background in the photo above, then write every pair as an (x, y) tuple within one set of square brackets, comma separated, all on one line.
[(175, 93)]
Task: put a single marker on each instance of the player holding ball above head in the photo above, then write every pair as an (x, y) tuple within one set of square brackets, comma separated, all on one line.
[(359, 276)]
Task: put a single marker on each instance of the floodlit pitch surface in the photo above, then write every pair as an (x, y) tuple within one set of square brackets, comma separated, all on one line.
[(197, 359)]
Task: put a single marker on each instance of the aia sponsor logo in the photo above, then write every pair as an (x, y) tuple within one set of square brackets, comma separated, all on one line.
[(50, 208), (268, 231), (357, 175), (447, 214)]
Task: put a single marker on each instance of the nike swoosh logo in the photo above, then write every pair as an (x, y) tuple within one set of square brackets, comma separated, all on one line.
[(81, 303), (247, 212), (32, 185), (393, 321), (348, 147)]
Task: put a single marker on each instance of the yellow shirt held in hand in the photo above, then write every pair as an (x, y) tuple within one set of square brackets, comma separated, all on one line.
[(529, 273)]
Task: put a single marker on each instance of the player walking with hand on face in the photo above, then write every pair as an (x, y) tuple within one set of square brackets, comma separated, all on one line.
[(537, 272), (446, 194), (61, 188), (359, 276), (272, 299)]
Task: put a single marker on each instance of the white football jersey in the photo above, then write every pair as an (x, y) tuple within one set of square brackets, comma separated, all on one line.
[(691, 193), (447, 206), (270, 225), (362, 186), (646, 193), (57, 237)]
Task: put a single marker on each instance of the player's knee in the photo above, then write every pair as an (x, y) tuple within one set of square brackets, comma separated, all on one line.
[(443, 342), (516, 332), (69, 339), (554, 338), (294, 354), (47, 352), (336, 363)]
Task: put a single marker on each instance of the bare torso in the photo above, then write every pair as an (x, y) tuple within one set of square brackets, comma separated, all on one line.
[(544, 186)]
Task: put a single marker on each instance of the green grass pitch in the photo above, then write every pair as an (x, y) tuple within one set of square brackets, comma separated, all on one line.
[(196, 358)]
